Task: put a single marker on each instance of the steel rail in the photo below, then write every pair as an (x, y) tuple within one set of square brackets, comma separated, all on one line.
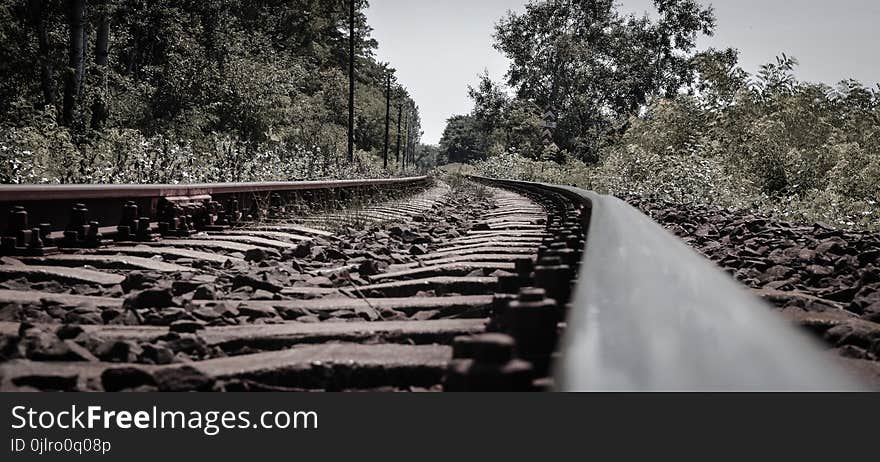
[(35, 192), (649, 313)]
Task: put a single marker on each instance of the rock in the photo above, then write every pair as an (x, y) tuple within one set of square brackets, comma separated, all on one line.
[(187, 343), (291, 313), (417, 250), (303, 250), (138, 280), (68, 331), (9, 347), (10, 313), (183, 378), (842, 296), (334, 254), (850, 351), (255, 311), (150, 298), (42, 345), (186, 326), (179, 288), (833, 245), (157, 354), (857, 333), (79, 353), (255, 282), (872, 312), (775, 273), (424, 315), (255, 255), (205, 313), (169, 315), (84, 313), (205, 292), (118, 351), (319, 281), (48, 382), (226, 310), (123, 378), (369, 267), (261, 294), (317, 254), (820, 271)]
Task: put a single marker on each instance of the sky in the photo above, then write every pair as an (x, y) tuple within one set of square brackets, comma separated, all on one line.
[(439, 47)]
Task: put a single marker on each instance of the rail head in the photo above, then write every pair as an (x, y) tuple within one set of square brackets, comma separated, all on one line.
[(36, 192), (649, 313)]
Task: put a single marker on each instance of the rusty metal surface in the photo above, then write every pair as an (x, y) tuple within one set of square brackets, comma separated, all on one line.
[(35, 192)]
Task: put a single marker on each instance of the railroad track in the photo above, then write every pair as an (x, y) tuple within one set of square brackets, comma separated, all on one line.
[(403, 284), (194, 290)]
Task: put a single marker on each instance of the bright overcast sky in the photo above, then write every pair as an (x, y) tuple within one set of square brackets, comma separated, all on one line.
[(440, 46)]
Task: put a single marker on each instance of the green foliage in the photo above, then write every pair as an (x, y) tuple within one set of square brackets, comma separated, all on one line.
[(498, 123), (797, 150), (597, 67), (193, 91)]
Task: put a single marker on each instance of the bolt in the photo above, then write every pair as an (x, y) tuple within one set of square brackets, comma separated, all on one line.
[(143, 228), (130, 211), (123, 233), (524, 267), (78, 215), (36, 241), (94, 236), (485, 362), (532, 321), (18, 220), (494, 348), (508, 283), (555, 278)]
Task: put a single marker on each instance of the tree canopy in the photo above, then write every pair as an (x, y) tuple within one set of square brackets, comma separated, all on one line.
[(127, 90), (596, 67)]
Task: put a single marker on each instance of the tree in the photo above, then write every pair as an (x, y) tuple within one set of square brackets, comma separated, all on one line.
[(258, 88), (76, 20), (595, 66), (39, 13), (462, 140)]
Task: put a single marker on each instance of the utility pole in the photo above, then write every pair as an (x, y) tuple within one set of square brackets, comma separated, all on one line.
[(351, 57), (399, 120), (387, 117), (406, 138)]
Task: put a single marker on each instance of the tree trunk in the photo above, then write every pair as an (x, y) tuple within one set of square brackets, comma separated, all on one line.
[(406, 136), (38, 11), (399, 120), (387, 119), (102, 45), (76, 18), (100, 111), (351, 57)]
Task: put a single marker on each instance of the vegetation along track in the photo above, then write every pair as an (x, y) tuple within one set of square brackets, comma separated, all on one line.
[(237, 288)]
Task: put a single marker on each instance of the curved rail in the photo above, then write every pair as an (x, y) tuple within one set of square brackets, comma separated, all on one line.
[(649, 313)]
